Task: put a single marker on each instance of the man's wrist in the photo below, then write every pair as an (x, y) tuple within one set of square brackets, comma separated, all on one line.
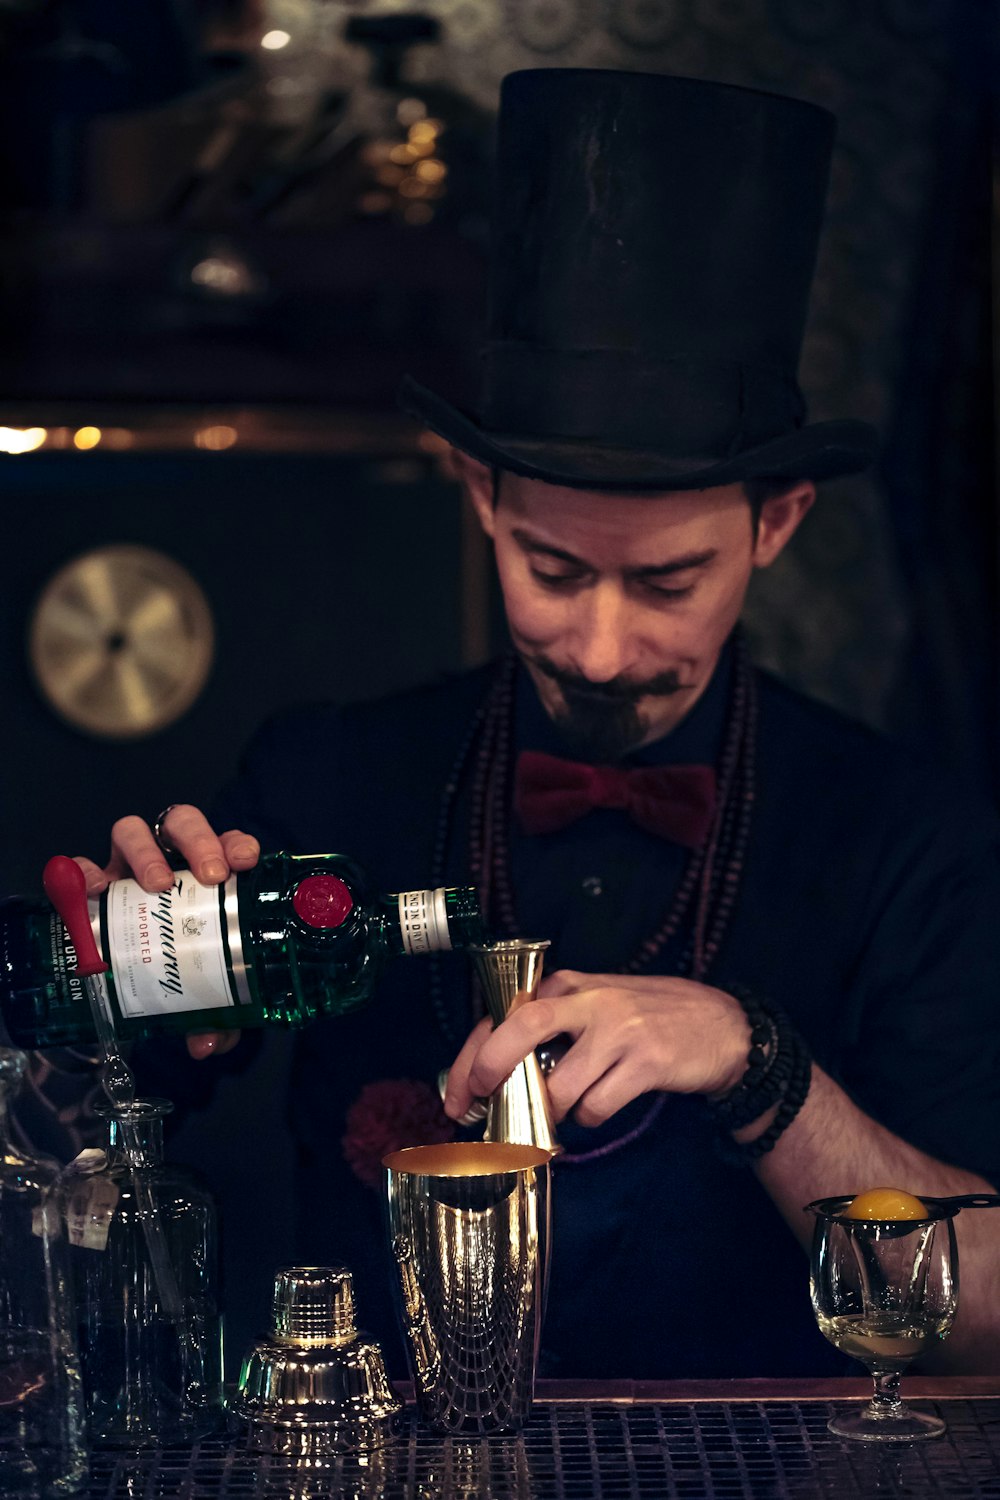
[(753, 1115), (742, 1051), (746, 1134), (750, 1092)]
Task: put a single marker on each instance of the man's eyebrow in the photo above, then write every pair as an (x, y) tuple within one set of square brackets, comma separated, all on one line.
[(654, 570), (676, 564), (534, 544)]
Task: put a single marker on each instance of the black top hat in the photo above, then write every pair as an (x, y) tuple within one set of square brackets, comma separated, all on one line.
[(653, 248)]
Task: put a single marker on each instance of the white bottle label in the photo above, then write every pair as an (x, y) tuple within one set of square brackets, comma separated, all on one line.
[(166, 948), (89, 1201), (423, 921)]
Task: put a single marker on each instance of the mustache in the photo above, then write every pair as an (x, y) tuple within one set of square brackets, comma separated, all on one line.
[(616, 690)]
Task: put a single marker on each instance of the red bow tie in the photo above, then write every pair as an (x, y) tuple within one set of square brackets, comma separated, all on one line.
[(675, 802)]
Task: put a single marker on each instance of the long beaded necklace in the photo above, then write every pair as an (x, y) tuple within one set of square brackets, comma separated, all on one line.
[(711, 878)]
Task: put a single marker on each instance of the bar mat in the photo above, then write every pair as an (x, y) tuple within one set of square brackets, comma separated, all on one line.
[(707, 1450)]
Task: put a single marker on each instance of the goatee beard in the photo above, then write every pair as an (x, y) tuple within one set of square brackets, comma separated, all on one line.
[(600, 732), (601, 723)]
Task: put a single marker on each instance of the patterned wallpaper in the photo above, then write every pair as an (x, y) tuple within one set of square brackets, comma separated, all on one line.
[(832, 614)]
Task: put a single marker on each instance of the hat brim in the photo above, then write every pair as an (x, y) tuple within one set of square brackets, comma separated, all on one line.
[(822, 450)]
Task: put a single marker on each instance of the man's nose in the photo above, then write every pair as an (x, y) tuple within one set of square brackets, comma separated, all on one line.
[(603, 647)]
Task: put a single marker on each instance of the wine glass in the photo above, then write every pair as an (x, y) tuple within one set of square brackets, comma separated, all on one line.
[(884, 1291)]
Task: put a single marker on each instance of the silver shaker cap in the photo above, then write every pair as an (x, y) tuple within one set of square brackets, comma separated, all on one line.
[(315, 1385), (313, 1304)]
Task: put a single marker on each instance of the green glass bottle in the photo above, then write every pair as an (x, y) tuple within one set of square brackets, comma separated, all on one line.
[(297, 937)]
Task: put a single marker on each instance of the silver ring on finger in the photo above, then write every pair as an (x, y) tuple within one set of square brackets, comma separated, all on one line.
[(158, 833), (476, 1111)]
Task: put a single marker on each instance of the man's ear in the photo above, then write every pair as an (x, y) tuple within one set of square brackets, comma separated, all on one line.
[(779, 520), (476, 480)]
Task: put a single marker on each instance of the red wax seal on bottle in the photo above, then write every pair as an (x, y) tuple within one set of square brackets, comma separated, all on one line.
[(322, 901)]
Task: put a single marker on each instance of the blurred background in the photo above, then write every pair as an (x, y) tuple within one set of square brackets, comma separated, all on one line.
[(229, 226)]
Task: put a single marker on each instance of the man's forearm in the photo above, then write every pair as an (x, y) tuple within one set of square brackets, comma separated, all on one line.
[(833, 1147)]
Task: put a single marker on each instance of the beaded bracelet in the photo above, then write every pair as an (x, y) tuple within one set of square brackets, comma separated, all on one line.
[(749, 1098), (779, 1071), (739, 1154)]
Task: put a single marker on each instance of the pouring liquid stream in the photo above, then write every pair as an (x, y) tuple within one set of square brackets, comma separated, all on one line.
[(66, 889)]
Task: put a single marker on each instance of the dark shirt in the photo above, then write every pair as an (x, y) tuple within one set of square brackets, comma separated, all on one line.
[(868, 908)]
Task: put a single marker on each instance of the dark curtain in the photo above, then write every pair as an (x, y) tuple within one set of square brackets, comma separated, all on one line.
[(939, 462)]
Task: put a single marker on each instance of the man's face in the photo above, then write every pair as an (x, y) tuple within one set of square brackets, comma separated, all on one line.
[(620, 604)]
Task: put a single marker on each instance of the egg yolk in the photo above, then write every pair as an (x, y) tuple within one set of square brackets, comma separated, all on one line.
[(885, 1203)]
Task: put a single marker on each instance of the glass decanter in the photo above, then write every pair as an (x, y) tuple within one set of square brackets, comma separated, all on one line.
[(144, 1250), (41, 1401)]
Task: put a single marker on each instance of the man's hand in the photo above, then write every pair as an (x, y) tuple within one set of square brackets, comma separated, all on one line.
[(630, 1035), (211, 857)]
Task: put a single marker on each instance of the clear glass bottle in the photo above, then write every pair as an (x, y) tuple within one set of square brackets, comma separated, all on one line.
[(151, 1353), (42, 1451), (298, 936)]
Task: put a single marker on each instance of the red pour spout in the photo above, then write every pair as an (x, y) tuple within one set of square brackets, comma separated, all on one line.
[(66, 888)]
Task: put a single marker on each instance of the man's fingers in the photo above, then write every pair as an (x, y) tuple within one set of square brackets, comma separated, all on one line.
[(564, 982), (596, 1052), (516, 1037), (210, 856), (459, 1096), (188, 831), (96, 878), (605, 1097), (135, 850), (571, 982), (240, 850), (202, 1044)]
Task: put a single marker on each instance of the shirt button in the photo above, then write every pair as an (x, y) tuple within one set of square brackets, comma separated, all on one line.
[(592, 885)]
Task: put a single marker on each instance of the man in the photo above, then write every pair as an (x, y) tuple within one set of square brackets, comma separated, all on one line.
[(774, 940)]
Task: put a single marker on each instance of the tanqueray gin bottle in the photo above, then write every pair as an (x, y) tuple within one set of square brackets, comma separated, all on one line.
[(295, 938)]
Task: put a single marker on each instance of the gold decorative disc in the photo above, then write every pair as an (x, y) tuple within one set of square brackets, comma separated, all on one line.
[(121, 641)]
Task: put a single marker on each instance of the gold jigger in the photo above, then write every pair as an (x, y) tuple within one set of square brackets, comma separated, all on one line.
[(468, 1227), (518, 1111)]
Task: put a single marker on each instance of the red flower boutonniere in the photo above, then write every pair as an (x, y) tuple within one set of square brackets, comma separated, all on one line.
[(388, 1115)]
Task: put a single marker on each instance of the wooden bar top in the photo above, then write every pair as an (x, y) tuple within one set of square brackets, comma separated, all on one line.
[(660, 1392)]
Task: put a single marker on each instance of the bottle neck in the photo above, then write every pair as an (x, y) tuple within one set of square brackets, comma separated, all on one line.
[(432, 921), (135, 1134), (465, 919)]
